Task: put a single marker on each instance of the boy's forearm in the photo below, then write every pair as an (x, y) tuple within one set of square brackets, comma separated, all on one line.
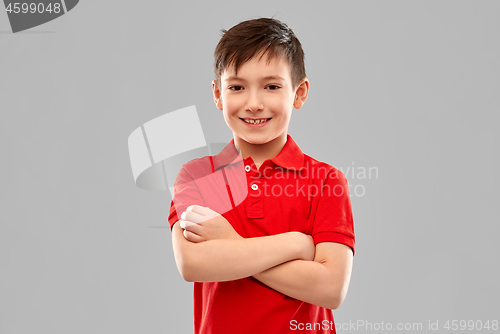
[(308, 281), (230, 259)]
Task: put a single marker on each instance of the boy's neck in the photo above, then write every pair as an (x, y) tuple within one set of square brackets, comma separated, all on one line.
[(261, 152)]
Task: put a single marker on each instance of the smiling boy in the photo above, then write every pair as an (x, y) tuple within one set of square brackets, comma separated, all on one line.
[(280, 259)]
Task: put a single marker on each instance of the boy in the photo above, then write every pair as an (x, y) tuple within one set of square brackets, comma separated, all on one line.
[(279, 258)]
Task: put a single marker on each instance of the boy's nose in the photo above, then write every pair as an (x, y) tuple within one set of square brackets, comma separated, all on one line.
[(254, 104)]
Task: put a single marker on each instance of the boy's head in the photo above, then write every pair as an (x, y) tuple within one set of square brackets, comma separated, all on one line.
[(260, 74), (255, 38)]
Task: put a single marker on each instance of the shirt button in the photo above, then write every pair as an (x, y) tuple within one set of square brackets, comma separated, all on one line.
[(247, 168), (255, 187)]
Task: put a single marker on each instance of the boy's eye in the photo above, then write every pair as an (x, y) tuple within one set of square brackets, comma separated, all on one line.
[(237, 88)]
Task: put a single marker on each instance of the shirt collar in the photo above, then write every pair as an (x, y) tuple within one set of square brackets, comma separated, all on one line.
[(290, 157)]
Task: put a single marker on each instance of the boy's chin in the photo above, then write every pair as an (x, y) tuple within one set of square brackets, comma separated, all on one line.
[(255, 140)]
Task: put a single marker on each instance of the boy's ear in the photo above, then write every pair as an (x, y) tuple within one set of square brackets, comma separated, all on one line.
[(217, 95), (301, 93)]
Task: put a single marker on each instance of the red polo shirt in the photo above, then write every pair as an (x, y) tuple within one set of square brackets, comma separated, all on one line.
[(290, 192)]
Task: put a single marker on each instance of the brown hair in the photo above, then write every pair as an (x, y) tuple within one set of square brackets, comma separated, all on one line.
[(267, 35)]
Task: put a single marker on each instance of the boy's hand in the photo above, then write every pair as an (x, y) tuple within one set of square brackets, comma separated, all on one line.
[(201, 223)]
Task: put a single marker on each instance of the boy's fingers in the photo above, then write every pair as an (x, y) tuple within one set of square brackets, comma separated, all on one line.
[(196, 208), (202, 210), (190, 236), (191, 227), (193, 216), (184, 223)]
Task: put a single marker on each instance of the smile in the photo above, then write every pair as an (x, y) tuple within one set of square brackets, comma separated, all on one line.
[(255, 121)]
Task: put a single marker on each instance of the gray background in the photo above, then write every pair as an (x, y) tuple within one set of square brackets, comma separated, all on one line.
[(408, 87)]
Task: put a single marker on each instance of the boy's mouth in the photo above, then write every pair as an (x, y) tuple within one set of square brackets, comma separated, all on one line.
[(255, 120)]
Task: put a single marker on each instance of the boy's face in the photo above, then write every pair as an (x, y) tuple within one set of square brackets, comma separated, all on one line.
[(260, 91)]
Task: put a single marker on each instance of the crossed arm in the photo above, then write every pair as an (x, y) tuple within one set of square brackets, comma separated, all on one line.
[(207, 249)]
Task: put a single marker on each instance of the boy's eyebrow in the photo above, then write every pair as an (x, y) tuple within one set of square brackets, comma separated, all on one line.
[(270, 77)]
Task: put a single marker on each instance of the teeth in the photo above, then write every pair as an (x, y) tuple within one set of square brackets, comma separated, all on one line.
[(251, 121)]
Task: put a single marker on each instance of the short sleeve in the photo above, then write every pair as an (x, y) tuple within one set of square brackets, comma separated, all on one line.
[(333, 221), (186, 193)]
